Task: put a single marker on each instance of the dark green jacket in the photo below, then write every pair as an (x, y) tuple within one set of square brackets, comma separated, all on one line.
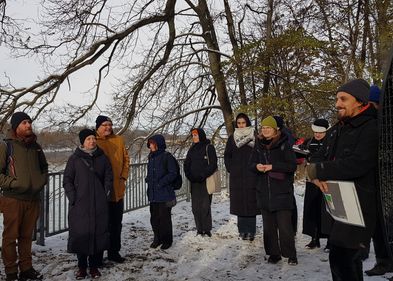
[(29, 173)]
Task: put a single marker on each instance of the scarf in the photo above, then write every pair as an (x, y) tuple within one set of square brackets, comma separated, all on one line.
[(243, 136), (88, 151)]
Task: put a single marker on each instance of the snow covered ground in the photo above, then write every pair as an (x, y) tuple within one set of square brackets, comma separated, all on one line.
[(221, 257)]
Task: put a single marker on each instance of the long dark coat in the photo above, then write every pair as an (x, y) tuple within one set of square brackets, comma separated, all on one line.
[(242, 181), (274, 188), (88, 193), (196, 167), (351, 150), (313, 199)]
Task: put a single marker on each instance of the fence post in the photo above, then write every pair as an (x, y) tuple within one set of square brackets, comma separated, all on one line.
[(41, 220), (188, 191)]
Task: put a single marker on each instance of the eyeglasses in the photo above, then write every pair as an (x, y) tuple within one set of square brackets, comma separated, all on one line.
[(106, 125)]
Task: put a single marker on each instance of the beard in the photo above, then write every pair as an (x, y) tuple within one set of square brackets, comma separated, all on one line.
[(27, 136), (341, 117)]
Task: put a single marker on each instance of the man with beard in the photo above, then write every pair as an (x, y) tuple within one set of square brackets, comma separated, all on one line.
[(23, 175), (350, 154)]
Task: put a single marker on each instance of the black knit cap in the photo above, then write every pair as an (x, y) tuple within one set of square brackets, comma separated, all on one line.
[(84, 134), (279, 121), (17, 118), (101, 119), (357, 88)]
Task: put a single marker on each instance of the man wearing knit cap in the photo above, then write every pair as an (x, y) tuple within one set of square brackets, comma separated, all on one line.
[(350, 154), (23, 175), (114, 148)]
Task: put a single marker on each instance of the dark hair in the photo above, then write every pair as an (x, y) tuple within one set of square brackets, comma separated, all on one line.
[(245, 117)]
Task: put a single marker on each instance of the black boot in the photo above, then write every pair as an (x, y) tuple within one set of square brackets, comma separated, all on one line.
[(245, 236), (115, 256), (314, 243), (380, 268), (327, 247), (274, 259), (30, 274), (155, 244)]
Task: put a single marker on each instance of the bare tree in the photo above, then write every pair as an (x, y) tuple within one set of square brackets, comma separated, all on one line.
[(170, 57)]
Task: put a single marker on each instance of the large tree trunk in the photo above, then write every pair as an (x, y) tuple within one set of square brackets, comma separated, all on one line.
[(236, 52), (268, 52), (209, 35)]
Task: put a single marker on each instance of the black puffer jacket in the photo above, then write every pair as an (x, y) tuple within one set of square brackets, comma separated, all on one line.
[(88, 193), (274, 188), (242, 181), (350, 153), (196, 167)]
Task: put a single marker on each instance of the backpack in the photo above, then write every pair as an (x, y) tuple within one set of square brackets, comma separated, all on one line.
[(178, 182), (9, 162)]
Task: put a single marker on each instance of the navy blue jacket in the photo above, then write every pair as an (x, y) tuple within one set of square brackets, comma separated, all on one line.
[(161, 172)]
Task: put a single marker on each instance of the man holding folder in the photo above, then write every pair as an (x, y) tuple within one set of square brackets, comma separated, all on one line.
[(350, 153)]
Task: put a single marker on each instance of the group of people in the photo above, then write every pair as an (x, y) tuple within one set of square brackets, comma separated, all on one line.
[(94, 183), (261, 166)]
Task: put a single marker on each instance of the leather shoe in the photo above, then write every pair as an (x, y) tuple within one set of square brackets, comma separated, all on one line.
[(274, 259), (81, 273), (116, 257), (155, 244), (166, 246), (95, 273), (314, 243), (380, 268)]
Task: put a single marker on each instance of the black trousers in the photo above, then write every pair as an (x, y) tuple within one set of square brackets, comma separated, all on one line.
[(380, 247), (294, 216), (278, 234), (201, 206), (115, 224), (312, 211), (161, 222), (247, 224), (345, 264), (92, 260)]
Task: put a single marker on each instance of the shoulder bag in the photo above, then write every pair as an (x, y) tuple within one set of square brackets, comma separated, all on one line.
[(213, 182)]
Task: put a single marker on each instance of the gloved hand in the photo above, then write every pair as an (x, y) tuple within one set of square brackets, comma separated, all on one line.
[(311, 171)]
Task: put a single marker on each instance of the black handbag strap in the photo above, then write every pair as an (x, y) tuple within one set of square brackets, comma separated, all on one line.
[(91, 169), (207, 154)]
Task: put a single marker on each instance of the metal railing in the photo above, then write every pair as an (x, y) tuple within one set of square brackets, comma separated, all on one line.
[(54, 203)]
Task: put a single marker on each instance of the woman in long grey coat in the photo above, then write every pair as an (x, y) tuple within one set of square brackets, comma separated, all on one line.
[(88, 184), (242, 181)]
